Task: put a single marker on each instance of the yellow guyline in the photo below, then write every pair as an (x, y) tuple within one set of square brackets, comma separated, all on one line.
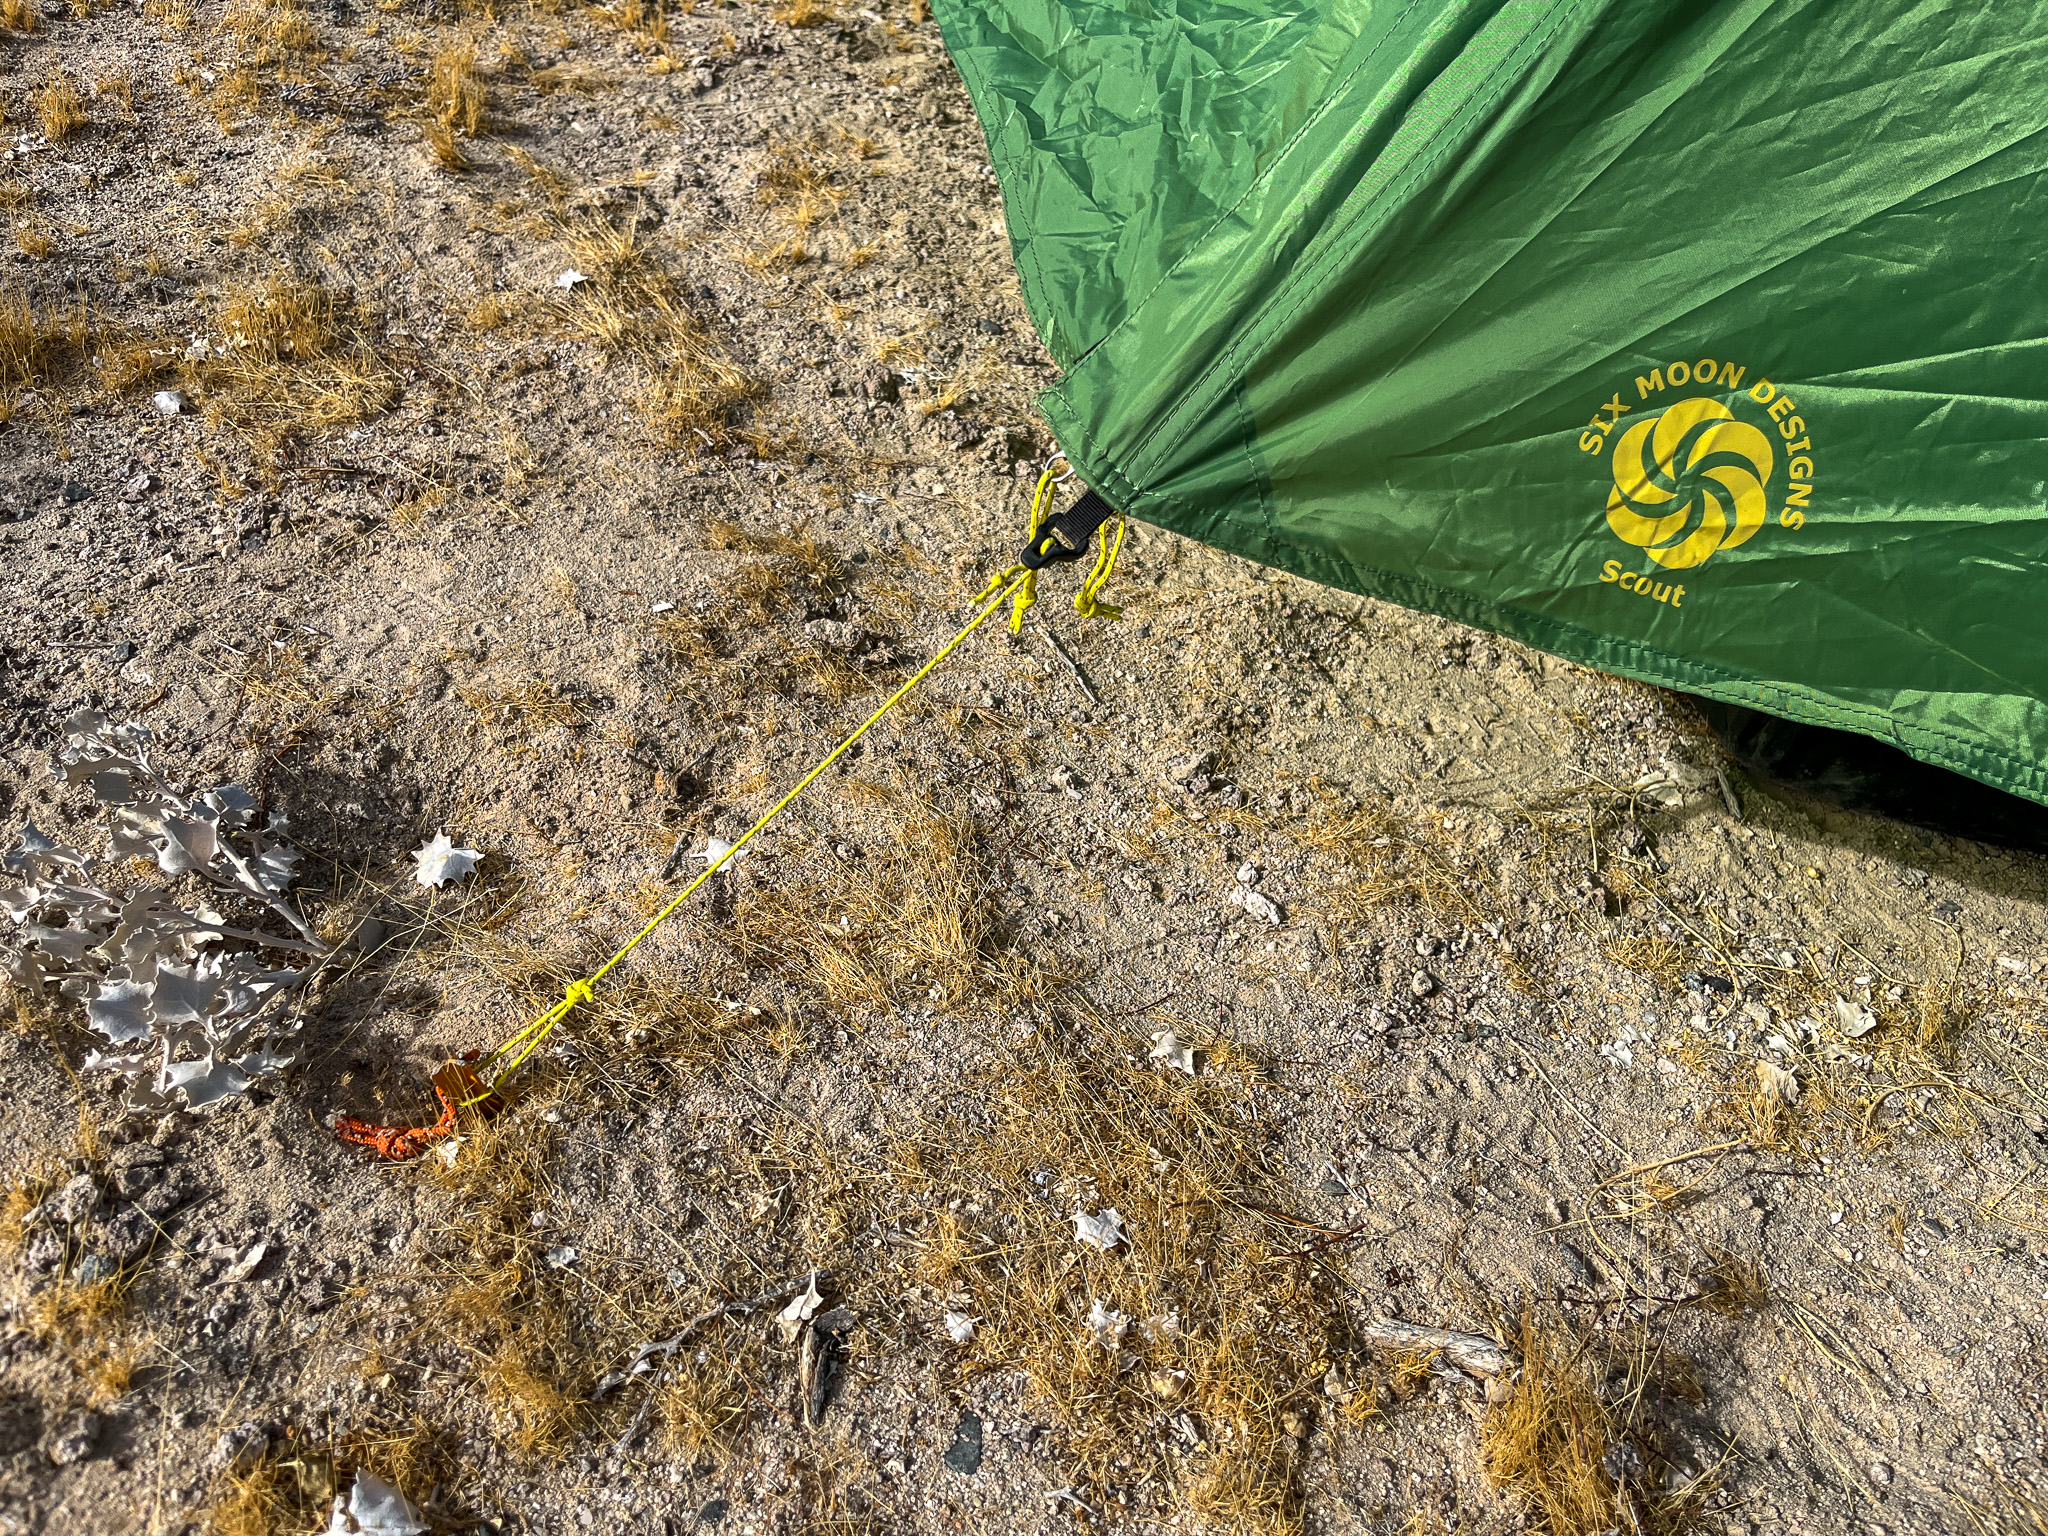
[(1019, 582)]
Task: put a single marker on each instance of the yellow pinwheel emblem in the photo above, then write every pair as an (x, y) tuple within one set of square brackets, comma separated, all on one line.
[(1689, 481)]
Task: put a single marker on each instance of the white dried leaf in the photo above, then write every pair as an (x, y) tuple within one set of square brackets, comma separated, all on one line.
[(204, 1082), (562, 1258), (1853, 1019), (113, 787), (716, 848), (375, 1508), (1167, 1047), (959, 1327), (120, 1012), (1777, 1083), (182, 994), (1157, 1330), (800, 1310), (274, 866), (570, 279), (1662, 788), (1106, 1326), (245, 1265), (188, 1014), (66, 944), (188, 843), (438, 861), (1101, 1231)]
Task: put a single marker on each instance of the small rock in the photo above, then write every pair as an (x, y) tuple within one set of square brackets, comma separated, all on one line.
[(126, 1235), (1422, 984), (75, 1202), (880, 384), (45, 1251), (75, 491), (123, 653), (1577, 1265), (92, 1269), (1881, 1473), (964, 1454), (1257, 903), (1622, 1462), (141, 485), (239, 1448), (171, 402), (837, 634), (1247, 873), (75, 1441), (1183, 770)]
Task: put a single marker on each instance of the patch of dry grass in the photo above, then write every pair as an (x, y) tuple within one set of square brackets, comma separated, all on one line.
[(33, 239), (516, 715), (456, 100), (294, 358), (59, 108), (1228, 1322), (634, 306), (909, 919), (18, 15), (733, 647), (1577, 1445)]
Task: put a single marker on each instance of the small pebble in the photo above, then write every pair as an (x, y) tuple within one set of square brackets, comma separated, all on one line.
[(76, 1440), (171, 402)]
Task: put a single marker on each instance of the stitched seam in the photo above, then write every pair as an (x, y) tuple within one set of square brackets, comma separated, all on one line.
[(1648, 658)]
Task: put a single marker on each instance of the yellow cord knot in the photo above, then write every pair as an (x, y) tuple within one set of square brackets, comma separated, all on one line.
[(1025, 598), (577, 992), (1085, 601)]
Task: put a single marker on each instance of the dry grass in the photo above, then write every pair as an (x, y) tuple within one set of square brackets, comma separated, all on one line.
[(59, 108), (734, 648), (116, 87), (294, 358), (516, 715), (42, 348), (288, 1492), (17, 16), (634, 307), (497, 1300), (1575, 1441), (34, 240), (456, 100), (910, 919), (1225, 1323)]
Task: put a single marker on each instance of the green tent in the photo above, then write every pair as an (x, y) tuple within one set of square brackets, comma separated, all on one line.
[(1703, 342)]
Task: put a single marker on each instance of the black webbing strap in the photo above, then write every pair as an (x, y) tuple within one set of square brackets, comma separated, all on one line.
[(1065, 536)]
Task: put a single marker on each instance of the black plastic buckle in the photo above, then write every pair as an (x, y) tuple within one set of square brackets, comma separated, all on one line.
[(1066, 535)]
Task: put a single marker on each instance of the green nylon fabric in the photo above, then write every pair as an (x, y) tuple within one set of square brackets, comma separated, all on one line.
[(1413, 297)]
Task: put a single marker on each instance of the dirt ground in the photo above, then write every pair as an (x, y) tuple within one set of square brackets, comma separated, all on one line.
[(574, 420)]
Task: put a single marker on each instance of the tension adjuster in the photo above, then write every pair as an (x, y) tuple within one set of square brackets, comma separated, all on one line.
[(1066, 535)]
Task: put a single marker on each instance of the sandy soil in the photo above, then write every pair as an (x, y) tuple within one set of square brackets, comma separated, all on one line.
[(586, 574)]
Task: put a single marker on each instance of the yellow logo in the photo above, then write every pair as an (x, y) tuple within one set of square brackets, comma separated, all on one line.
[(1691, 477), (1689, 481)]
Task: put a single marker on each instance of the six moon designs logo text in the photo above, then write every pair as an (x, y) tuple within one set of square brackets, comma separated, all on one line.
[(1695, 461)]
